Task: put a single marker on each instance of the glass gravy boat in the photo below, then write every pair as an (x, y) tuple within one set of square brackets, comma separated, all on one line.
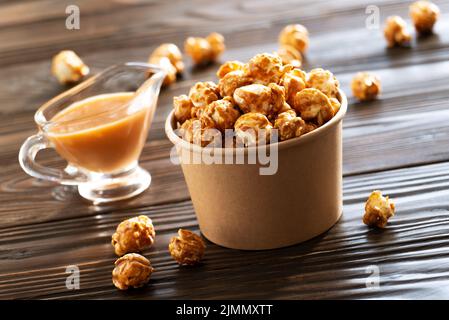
[(99, 127)]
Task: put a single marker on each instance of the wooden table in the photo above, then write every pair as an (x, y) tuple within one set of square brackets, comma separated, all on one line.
[(399, 144)]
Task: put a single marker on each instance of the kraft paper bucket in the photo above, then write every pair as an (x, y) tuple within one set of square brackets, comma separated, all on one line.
[(239, 208)]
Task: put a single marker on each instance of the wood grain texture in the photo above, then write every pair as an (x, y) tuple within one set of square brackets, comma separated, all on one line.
[(397, 143), (412, 253)]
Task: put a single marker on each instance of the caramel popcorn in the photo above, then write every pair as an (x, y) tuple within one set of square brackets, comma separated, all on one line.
[(251, 127), (201, 94), (67, 67), (229, 66), (165, 64), (183, 108), (133, 235), (231, 81), (295, 35), (188, 248), (424, 14), (267, 100), (201, 132), (205, 50), (395, 32), (378, 210), (293, 82), (170, 51), (265, 68), (131, 270), (324, 81), (289, 55), (220, 114), (335, 104), (289, 125), (312, 104), (257, 95), (365, 86), (216, 42)]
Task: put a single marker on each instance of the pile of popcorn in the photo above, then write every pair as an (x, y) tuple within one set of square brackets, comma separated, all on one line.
[(251, 99)]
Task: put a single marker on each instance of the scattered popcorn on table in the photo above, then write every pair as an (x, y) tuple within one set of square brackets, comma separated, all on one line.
[(68, 68), (165, 64), (131, 270), (170, 51), (187, 248), (133, 235), (251, 127), (395, 32), (378, 210), (424, 15), (365, 86), (295, 35), (253, 96), (205, 50)]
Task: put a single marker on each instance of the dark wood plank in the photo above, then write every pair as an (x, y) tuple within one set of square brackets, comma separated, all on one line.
[(412, 253)]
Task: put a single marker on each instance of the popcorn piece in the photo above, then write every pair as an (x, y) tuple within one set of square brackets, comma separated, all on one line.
[(424, 15), (395, 32), (335, 104), (131, 270), (133, 235), (183, 108), (201, 94), (293, 82), (289, 125), (231, 81), (200, 132), (289, 55), (188, 248), (295, 35), (265, 68), (222, 114), (268, 100), (324, 81), (170, 51), (205, 50), (378, 210), (166, 65), (216, 42), (312, 104), (365, 86), (251, 127), (67, 67), (229, 66)]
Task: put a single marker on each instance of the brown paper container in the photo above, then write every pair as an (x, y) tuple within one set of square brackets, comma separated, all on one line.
[(238, 208)]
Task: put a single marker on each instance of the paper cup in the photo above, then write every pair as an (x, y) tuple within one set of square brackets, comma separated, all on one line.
[(239, 208)]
